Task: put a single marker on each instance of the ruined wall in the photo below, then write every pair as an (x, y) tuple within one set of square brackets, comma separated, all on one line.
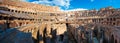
[(106, 16), (35, 7)]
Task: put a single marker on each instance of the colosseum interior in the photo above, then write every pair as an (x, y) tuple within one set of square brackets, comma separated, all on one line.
[(22, 22)]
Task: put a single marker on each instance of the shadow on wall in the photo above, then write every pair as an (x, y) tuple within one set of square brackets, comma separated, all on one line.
[(51, 38), (15, 36)]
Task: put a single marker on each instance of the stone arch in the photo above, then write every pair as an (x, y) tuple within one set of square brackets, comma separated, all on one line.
[(19, 11), (22, 11), (115, 41), (61, 37), (28, 30), (20, 24), (12, 10), (8, 9), (112, 38), (15, 11), (95, 31)]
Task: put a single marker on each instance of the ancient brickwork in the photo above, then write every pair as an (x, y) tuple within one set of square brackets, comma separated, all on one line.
[(38, 20), (106, 16), (48, 24), (104, 26)]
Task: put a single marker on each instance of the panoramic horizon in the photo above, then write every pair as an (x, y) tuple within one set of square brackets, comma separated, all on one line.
[(78, 4), (73, 21)]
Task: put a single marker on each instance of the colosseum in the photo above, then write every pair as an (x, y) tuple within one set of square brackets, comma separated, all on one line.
[(23, 22)]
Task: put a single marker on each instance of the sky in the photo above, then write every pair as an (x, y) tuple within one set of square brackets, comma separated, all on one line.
[(78, 4)]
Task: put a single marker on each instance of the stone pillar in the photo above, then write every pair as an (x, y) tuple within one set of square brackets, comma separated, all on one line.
[(41, 32), (48, 33), (48, 29), (40, 37)]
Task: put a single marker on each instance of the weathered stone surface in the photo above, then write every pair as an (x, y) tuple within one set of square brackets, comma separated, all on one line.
[(48, 24)]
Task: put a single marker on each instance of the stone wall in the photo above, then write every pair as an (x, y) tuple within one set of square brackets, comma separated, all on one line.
[(32, 6)]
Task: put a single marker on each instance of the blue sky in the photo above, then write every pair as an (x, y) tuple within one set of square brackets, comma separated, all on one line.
[(91, 4), (78, 4)]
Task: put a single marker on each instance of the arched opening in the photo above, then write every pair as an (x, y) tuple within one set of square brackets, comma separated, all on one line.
[(111, 19), (44, 34), (61, 37), (37, 39), (20, 24), (107, 19), (115, 40), (16, 11), (114, 19), (8, 9), (27, 22), (95, 32), (114, 24), (12, 10), (112, 39)]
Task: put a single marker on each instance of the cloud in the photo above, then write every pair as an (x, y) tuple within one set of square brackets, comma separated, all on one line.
[(60, 3), (92, 0), (78, 9)]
